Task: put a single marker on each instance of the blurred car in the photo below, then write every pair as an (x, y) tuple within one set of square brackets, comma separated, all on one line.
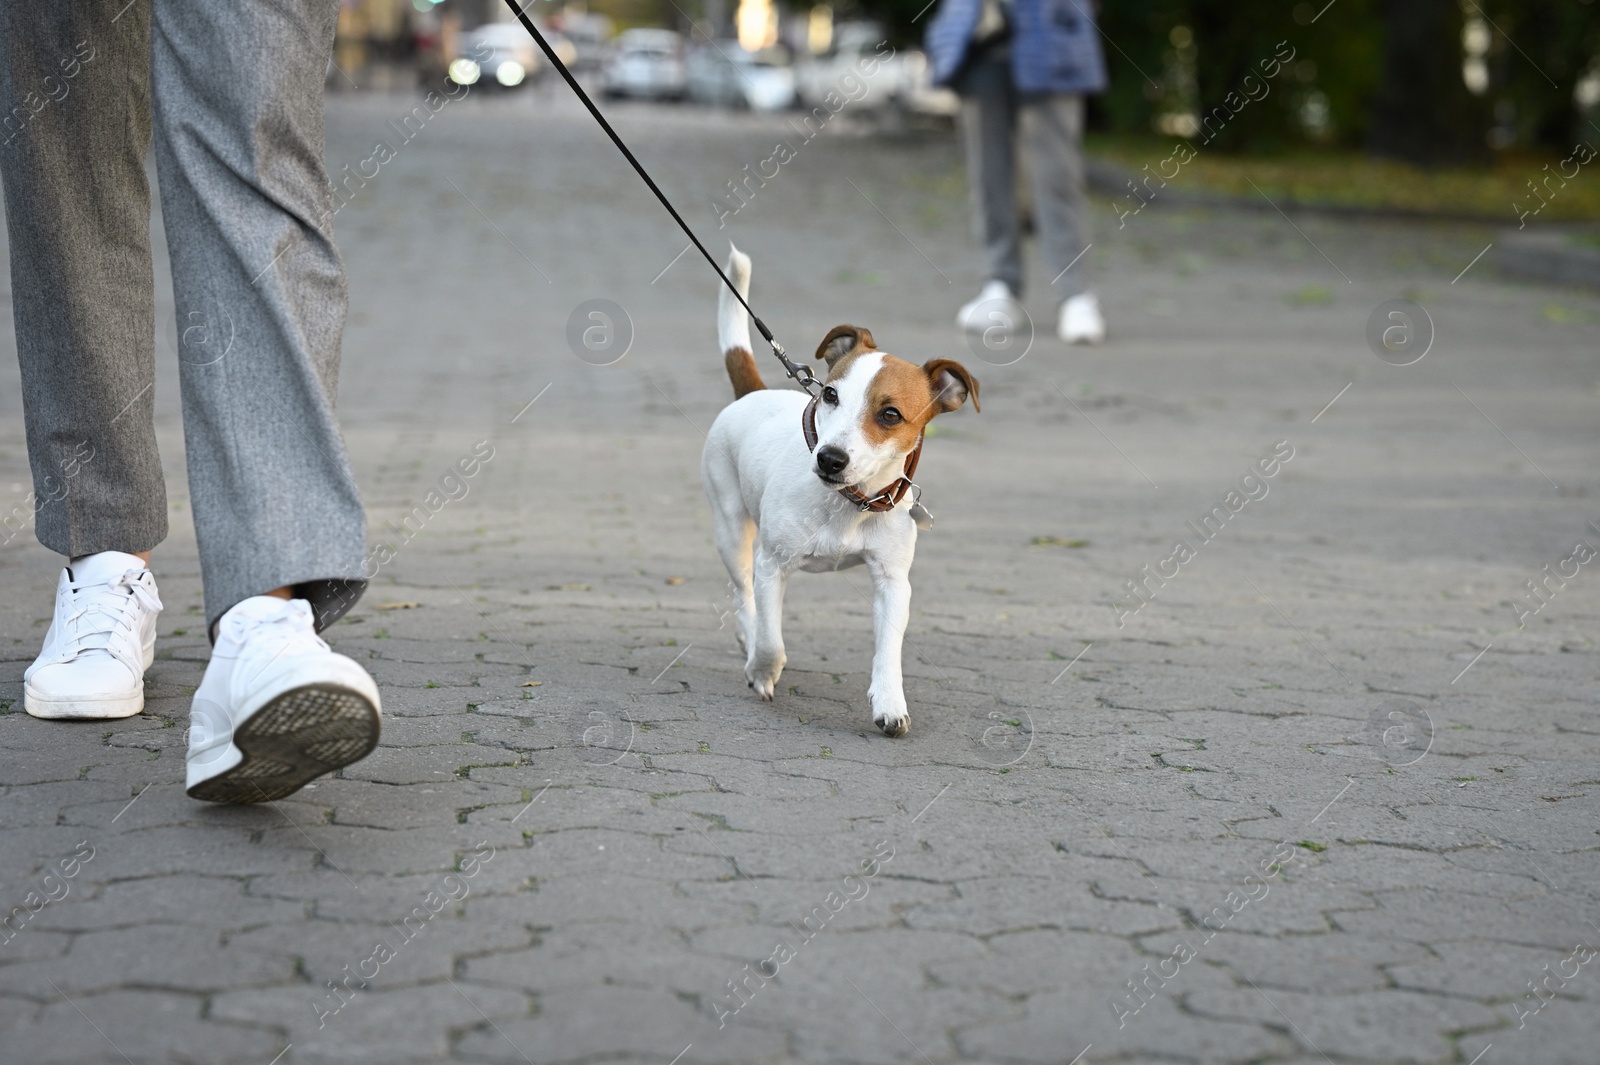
[(562, 46), (725, 74), (588, 34), (645, 63), (503, 54), (901, 78)]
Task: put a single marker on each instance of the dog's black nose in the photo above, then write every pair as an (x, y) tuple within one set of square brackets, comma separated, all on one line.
[(830, 459)]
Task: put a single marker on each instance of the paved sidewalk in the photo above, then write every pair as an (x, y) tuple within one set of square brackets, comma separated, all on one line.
[(1314, 796)]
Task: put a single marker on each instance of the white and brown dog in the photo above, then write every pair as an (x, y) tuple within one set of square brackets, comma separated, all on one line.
[(822, 485)]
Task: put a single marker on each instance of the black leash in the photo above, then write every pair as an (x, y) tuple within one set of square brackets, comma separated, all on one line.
[(801, 374)]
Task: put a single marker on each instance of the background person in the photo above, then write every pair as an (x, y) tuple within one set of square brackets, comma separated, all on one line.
[(1021, 68), (234, 95)]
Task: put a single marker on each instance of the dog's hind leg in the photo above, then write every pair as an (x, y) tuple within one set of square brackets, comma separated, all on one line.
[(765, 659), (735, 536)]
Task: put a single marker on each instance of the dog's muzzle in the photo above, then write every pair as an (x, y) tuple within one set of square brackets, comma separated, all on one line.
[(887, 498), (831, 461)]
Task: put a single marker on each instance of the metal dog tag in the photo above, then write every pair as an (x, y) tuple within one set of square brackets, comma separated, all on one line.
[(920, 515)]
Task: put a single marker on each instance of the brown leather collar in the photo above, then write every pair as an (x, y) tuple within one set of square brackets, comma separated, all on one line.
[(891, 494)]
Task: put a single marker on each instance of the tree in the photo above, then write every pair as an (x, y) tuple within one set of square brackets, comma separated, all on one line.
[(1234, 41), (1422, 112), (1538, 52), (1141, 60)]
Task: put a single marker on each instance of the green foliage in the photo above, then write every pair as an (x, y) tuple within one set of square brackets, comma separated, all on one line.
[(1198, 52), (1378, 75), (1142, 62), (1540, 42)]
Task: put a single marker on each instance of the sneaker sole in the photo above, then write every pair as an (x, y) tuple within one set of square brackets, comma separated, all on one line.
[(302, 734), (80, 709)]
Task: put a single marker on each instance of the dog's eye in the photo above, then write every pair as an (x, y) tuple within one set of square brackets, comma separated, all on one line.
[(830, 397), (890, 416)]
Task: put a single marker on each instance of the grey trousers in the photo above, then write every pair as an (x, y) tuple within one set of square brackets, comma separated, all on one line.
[(994, 117), (234, 94)]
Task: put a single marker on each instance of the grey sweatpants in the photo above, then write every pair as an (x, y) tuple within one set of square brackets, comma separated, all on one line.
[(234, 93), (994, 117)]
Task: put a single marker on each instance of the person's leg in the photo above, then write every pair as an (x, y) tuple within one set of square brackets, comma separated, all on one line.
[(260, 292), (1051, 130), (988, 120), (74, 89)]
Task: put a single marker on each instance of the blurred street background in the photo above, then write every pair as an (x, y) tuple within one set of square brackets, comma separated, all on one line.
[(1328, 794), (1450, 107)]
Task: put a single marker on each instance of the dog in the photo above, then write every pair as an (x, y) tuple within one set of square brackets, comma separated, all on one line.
[(822, 484)]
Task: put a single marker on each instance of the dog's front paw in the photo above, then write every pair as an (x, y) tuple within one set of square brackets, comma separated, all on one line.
[(762, 671), (889, 712)]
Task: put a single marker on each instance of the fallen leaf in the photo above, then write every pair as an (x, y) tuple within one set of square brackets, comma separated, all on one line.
[(676, 580), (532, 683), (396, 606), (1057, 541)]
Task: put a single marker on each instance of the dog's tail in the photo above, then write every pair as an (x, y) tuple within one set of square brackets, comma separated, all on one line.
[(733, 328)]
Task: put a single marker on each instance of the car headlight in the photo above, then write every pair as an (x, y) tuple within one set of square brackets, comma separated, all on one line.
[(510, 73), (464, 72)]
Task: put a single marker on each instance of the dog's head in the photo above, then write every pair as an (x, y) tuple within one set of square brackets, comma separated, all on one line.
[(874, 406)]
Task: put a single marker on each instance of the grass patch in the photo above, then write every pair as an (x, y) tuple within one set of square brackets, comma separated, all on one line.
[(465, 772), (1555, 312), (1310, 296), (1350, 179)]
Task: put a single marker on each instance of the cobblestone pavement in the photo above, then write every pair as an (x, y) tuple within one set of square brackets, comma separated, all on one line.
[(1315, 796)]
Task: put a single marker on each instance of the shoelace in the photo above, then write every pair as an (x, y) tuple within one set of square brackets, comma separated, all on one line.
[(273, 636), (104, 610)]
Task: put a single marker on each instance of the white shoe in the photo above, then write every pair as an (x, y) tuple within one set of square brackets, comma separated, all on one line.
[(996, 298), (1081, 320), (101, 640), (276, 708)]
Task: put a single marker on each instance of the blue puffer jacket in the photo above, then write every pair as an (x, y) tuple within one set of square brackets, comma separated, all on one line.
[(1055, 46)]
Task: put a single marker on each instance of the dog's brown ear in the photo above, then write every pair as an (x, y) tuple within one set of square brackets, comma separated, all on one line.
[(951, 384), (843, 340)]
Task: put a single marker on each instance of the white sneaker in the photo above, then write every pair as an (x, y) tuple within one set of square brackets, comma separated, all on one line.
[(276, 708), (995, 298), (1081, 320), (101, 640)]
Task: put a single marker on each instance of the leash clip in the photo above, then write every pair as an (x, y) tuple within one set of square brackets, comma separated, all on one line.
[(799, 372)]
